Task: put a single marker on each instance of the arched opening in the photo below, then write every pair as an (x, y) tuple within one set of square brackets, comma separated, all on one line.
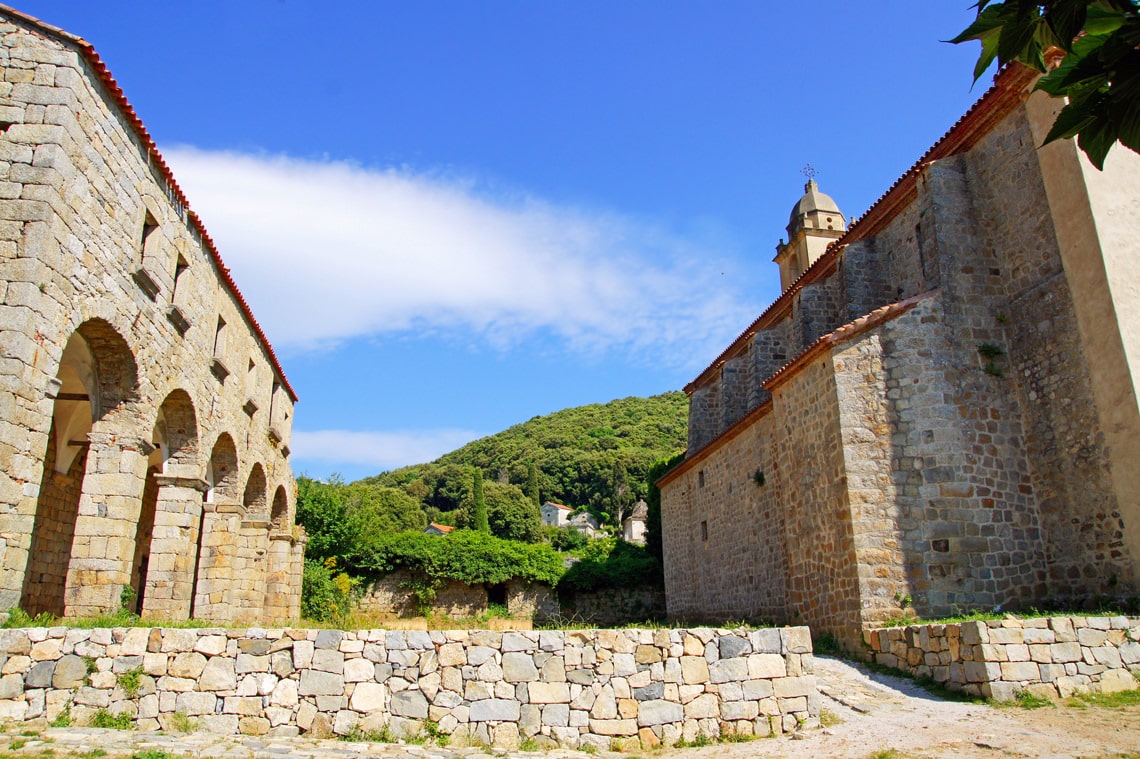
[(222, 492), (278, 518), (174, 442), (253, 502), (222, 471), (96, 375)]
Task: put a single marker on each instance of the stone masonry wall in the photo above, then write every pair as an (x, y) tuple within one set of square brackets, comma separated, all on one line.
[(97, 252), (575, 688), (1052, 657)]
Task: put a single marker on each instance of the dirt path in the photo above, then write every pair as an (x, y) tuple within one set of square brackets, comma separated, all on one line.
[(879, 712)]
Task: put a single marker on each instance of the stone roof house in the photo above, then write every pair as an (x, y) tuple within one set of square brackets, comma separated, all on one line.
[(555, 514), (634, 525), (940, 409), (144, 417)]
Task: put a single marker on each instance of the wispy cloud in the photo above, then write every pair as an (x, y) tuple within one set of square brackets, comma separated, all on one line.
[(381, 450), (327, 251)]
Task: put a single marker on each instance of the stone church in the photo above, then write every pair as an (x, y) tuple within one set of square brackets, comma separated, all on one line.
[(144, 418), (939, 413)]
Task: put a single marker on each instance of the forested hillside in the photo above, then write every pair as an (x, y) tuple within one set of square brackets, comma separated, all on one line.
[(593, 456)]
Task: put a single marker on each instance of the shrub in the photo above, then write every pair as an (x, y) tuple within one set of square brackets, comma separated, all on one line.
[(327, 595), (612, 563), (463, 556)]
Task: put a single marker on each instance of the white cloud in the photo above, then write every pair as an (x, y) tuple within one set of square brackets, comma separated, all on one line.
[(382, 450), (327, 251)]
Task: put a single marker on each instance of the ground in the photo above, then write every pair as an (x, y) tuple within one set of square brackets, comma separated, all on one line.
[(869, 715)]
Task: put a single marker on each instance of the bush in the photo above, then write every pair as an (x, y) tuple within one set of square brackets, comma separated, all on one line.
[(327, 595), (463, 556), (612, 563)]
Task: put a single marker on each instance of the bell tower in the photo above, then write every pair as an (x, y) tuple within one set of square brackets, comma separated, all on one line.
[(815, 223)]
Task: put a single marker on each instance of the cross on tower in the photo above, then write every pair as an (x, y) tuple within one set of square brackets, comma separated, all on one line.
[(809, 172)]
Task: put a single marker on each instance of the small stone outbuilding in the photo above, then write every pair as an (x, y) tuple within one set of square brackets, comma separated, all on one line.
[(144, 418)]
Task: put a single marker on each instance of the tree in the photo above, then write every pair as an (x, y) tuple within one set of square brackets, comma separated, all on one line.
[(1100, 71), (531, 488), (479, 506), (511, 514), (653, 501)]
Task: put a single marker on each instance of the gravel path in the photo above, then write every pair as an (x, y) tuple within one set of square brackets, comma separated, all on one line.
[(874, 712)]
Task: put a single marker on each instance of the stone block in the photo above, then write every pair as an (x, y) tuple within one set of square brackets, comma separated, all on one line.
[(196, 704), (796, 640), (706, 706), (359, 671), (316, 683), (218, 675), (70, 672), (368, 697), (494, 710), (1066, 652), (519, 667), (659, 712), (614, 727), (1026, 671), (728, 670), (549, 693)]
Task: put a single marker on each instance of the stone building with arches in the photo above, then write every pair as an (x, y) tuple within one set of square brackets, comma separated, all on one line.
[(144, 418)]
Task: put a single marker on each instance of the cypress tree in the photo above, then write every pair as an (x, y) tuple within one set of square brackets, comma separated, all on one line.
[(531, 488), (480, 521)]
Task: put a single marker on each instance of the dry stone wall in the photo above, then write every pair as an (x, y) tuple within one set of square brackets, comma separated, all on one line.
[(1053, 657), (575, 688)]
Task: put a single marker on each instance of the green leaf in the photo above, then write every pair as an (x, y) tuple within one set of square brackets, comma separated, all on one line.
[(1067, 17), (1072, 119), (987, 21), (1016, 38), (1101, 21), (1096, 141)]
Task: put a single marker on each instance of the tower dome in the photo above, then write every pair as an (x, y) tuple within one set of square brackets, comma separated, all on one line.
[(815, 210), (815, 223)]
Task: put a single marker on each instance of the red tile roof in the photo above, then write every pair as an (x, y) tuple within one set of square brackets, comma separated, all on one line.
[(441, 527), (120, 99)]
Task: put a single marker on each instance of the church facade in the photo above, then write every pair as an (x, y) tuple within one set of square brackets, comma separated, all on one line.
[(939, 413), (144, 418)]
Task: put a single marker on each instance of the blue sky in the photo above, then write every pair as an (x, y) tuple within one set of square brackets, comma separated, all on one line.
[(450, 217)]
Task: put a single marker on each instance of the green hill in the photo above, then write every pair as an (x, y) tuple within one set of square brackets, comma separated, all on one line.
[(594, 456)]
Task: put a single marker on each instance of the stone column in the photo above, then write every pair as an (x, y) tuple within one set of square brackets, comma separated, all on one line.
[(174, 548), (213, 595), (278, 575), (104, 542)]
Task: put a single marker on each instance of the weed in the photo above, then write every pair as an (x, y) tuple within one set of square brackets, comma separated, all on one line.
[(889, 753), (590, 748), (17, 617), (383, 735), (104, 719), (181, 723), (152, 753), (18, 744), (63, 719), (991, 353), (1104, 700), (528, 744), (1027, 700), (130, 681), (828, 718), (95, 753), (824, 643)]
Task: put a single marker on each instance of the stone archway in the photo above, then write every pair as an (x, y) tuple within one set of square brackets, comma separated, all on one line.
[(219, 525), (279, 516), (173, 556), (97, 374)]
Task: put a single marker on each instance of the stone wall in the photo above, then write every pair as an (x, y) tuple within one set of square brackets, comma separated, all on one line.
[(1053, 657), (124, 340), (392, 594), (575, 688)]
